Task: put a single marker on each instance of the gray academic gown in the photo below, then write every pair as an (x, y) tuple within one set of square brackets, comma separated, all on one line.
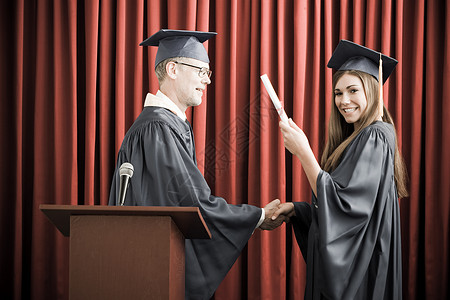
[(161, 148), (350, 234)]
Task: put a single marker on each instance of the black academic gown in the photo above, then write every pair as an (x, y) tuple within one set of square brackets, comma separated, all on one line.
[(350, 234), (161, 148)]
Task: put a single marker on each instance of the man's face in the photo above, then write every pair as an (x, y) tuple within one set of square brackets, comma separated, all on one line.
[(190, 86)]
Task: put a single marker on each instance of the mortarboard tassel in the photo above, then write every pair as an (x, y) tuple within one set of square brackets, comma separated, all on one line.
[(380, 87)]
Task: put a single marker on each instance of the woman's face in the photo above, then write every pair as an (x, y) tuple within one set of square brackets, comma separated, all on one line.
[(350, 98)]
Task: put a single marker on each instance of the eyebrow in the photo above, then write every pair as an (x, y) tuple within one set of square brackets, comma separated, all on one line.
[(352, 85)]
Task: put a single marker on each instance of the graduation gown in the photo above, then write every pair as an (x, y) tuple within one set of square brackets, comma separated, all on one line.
[(160, 146), (350, 234)]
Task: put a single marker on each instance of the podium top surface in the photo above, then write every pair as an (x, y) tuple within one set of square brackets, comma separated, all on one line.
[(188, 219)]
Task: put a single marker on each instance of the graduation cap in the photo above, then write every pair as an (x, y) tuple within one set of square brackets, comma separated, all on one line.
[(351, 56), (179, 43)]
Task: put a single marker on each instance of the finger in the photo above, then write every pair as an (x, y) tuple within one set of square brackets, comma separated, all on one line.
[(293, 124), (275, 202), (283, 125), (276, 214), (286, 126), (286, 133)]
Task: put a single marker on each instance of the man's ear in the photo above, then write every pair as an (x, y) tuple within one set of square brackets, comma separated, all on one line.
[(171, 69)]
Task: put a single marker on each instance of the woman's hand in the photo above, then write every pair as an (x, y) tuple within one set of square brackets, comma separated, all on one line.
[(295, 139), (285, 209)]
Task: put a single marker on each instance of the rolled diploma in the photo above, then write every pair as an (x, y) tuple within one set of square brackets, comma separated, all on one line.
[(276, 102)]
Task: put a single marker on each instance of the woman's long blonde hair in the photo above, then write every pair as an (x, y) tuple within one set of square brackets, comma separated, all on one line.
[(341, 133)]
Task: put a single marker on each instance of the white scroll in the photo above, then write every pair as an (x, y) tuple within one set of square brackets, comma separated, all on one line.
[(276, 102)]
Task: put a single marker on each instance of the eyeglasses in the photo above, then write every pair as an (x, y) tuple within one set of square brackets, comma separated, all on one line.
[(202, 70)]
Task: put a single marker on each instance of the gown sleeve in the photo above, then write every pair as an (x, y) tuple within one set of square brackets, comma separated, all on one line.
[(166, 174), (301, 224)]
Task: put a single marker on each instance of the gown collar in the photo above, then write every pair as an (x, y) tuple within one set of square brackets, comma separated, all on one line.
[(161, 100)]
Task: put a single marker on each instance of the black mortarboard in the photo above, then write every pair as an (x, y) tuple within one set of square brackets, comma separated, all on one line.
[(351, 56), (179, 43)]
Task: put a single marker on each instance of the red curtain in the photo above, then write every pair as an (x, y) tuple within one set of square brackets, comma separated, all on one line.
[(73, 79)]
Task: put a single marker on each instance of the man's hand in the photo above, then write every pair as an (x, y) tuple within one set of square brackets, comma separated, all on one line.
[(270, 209)]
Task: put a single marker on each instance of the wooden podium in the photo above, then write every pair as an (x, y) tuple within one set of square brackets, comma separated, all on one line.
[(127, 252)]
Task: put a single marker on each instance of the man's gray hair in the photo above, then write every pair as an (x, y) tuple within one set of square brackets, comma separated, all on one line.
[(160, 69)]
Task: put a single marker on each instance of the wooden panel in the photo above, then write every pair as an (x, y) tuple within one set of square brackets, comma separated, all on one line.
[(125, 257)]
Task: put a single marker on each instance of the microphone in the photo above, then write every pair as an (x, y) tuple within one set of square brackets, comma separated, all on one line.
[(126, 172)]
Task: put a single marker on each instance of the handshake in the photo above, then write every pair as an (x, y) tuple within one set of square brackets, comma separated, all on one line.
[(277, 213)]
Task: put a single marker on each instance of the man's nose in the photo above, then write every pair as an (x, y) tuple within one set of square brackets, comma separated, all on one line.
[(206, 80)]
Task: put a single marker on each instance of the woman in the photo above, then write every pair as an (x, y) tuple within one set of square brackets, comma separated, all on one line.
[(350, 234)]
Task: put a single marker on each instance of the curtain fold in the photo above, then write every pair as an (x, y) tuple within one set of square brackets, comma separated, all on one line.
[(413, 83), (73, 79), (437, 194), (12, 186)]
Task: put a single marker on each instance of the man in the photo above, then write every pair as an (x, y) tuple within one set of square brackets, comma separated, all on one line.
[(160, 146)]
